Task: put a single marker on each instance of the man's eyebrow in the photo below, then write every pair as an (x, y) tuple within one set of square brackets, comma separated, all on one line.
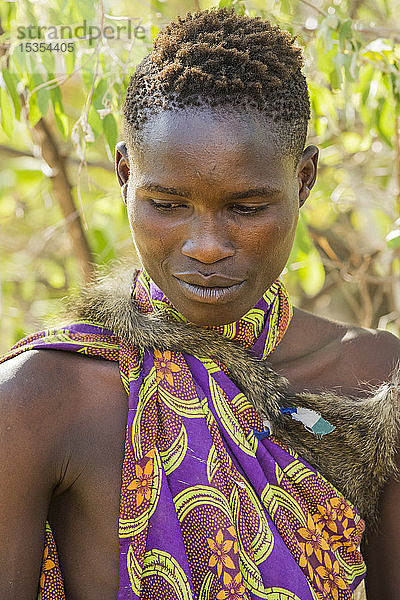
[(263, 191), (155, 187), (249, 193)]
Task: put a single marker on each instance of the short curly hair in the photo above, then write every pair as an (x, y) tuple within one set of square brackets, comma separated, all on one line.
[(218, 58)]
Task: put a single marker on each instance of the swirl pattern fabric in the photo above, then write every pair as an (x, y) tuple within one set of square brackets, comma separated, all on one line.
[(208, 510)]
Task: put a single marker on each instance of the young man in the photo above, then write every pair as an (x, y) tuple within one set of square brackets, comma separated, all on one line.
[(212, 505)]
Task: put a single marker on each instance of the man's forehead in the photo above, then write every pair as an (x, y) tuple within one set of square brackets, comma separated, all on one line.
[(206, 142), (213, 127)]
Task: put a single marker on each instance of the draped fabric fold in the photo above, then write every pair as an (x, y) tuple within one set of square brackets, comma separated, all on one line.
[(210, 509)]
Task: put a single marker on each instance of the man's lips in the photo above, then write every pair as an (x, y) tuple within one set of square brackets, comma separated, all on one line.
[(208, 281), (211, 289)]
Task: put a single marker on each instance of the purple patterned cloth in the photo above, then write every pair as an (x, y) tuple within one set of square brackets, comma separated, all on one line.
[(210, 509)]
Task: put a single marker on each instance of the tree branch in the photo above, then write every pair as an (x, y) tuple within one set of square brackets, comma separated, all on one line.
[(397, 158), (62, 188), (355, 5), (318, 10), (14, 153)]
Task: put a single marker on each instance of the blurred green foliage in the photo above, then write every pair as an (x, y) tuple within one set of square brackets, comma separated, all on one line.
[(345, 261)]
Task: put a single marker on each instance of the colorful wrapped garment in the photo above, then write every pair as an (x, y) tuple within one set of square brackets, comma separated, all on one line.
[(212, 506)]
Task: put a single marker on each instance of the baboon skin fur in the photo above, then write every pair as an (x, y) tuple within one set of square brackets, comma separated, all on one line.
[(358, 457)]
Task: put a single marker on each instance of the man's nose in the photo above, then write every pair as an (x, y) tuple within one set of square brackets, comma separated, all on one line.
[(207, 242)]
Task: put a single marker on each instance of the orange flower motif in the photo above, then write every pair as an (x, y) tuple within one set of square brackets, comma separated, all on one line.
[(142, 483), (344, 541), (326, 517), (48, 564), (220, 548), (342, 508), (234, 588), (232, 531), (332, 581), (315, 542), (304, 561), (164, 366)]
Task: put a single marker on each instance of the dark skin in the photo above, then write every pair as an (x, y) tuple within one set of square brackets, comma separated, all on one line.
[(63, 416)]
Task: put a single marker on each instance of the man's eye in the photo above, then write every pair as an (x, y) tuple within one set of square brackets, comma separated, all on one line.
[(248, 210), (163, 205)]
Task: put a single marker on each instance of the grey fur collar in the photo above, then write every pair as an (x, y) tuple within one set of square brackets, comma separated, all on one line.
[(357, 457)]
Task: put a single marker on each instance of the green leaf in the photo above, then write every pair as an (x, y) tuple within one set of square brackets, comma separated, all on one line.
[(101, 244), (42, 95), (11, 81), (312, 275), (55, 94), (335, 78), (287, 6), (61, 120), (34, 112), (385, 121), (11, 14), (395, 89), (365, 78), (323, 101), (347, 58), (19, 60), (87, 10), (87, 76), (95, 121), (54, 273), (345, 33), (7, 117), (69, 60), (154, 31), (98, 94), (110, 131), (47, 59)]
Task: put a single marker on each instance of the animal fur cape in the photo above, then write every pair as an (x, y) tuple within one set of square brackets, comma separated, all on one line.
[(358, 457)]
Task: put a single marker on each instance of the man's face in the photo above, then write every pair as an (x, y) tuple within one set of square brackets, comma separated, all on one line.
[(213, 206)]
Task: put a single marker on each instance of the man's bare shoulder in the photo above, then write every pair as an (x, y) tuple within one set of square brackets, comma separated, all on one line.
[(370, 354), (63, 400), (332, 353), (54, 378)]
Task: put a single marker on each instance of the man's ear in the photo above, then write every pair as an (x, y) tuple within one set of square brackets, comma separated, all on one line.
[(307, 172), (122, 167)]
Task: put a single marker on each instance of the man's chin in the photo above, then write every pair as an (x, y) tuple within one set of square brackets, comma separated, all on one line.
[(210, 314)]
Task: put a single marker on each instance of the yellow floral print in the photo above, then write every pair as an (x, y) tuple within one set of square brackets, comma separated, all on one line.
[(342, 509), (47, 566), (326, 517), (220, 548), (232, 531), (234, 588), (142, 483), (332, 581), (164, 366), (315, 542)]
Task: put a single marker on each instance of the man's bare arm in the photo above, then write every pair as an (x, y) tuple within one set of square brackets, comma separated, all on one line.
[(381, 548), (31, 414)]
